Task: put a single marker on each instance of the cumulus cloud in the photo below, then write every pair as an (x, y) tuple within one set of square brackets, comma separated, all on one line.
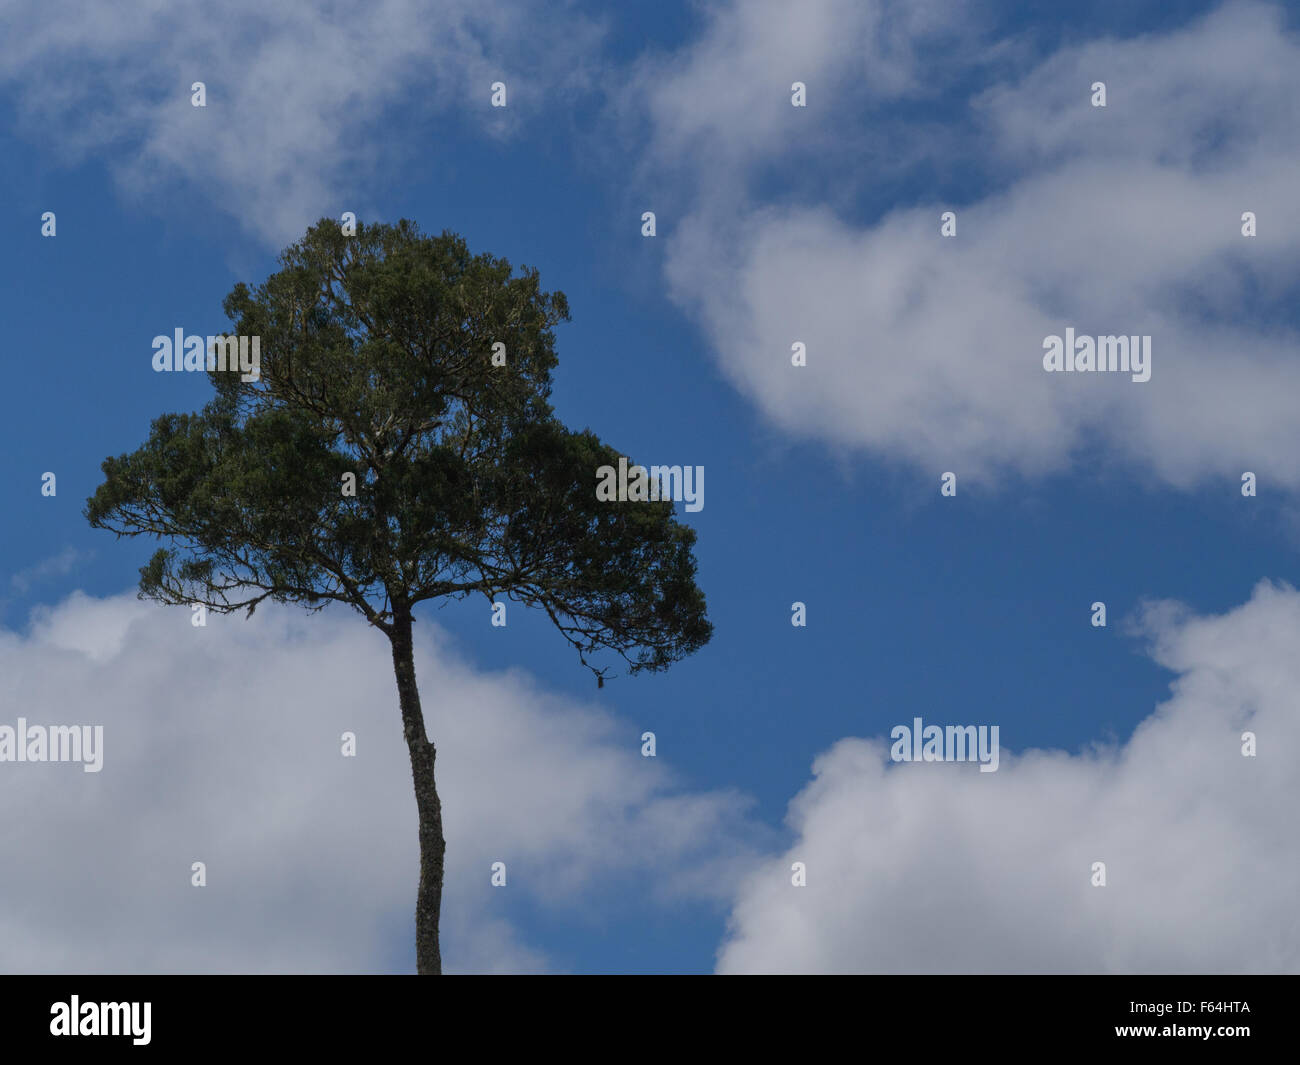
[(724, 98), (1124, 220), (222, 745), (936, 867), (294, 92)]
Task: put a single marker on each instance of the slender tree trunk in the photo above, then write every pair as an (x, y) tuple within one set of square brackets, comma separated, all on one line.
[(428, 956)]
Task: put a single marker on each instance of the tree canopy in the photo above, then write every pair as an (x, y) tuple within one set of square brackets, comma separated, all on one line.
[(376, 361)]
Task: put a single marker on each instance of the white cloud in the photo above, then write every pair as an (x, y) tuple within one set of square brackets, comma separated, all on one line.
[(294, 92), (55, 566), (222, 745), (1123, 220), (727, 94), (936, 867)]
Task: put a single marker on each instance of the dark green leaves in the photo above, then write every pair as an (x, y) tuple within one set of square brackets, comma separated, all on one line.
[(376, 362)]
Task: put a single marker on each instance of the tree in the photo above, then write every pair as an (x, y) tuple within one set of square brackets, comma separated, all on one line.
[(377, 360)]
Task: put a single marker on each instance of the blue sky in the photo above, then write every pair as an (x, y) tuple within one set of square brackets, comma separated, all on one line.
[(821, 488)]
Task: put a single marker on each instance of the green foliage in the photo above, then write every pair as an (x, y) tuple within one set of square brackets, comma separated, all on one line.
[(376, 361)]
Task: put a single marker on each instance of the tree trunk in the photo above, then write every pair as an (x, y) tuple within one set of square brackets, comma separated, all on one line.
[(428, 956)]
